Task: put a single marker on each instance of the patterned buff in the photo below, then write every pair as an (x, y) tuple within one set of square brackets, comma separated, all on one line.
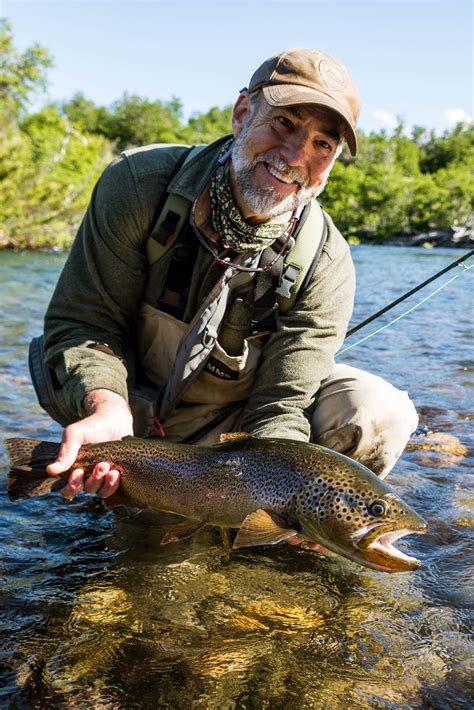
[(227, 221)]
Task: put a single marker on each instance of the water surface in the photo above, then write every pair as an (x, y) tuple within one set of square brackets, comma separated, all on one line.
[(95, 614)]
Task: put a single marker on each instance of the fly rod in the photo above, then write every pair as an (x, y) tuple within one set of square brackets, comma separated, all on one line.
[(409, 293), (235, 406)]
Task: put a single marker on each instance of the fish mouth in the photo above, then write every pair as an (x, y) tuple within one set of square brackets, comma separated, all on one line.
[(375, 542), (371, 546)]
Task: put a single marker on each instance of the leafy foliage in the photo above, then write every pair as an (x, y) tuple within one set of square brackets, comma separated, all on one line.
[(50, 160), (21, 74), (47, 166), (401, 186), (46, 192)]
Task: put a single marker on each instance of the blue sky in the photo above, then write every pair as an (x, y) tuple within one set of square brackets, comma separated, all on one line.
[(410, 58)]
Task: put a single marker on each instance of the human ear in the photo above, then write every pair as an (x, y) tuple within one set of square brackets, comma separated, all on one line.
[(240, 113)]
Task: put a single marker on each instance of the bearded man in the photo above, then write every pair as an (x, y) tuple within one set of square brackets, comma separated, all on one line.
[(207, 292)]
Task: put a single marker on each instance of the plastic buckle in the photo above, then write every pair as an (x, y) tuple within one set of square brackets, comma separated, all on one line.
[(288, 280)]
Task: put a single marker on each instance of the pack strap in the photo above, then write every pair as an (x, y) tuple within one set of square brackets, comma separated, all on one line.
[(178, 277), (277, 290), (264, 301), (305, 255), (170, 215)]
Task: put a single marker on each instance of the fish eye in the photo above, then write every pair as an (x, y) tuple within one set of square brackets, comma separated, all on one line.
[(378, 508)]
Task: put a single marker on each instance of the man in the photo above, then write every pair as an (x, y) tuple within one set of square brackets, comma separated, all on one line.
[(226, 358)]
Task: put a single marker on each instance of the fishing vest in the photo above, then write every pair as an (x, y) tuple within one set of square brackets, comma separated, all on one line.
[(198, 379)]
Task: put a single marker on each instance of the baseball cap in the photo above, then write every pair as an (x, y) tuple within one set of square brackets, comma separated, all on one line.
[(308, 76)]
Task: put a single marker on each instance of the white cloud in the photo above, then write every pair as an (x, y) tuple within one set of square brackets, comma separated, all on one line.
[(385, 118), (454, 116)]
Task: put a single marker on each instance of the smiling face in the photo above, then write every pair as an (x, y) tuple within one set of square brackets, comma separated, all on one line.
[(282, 156)]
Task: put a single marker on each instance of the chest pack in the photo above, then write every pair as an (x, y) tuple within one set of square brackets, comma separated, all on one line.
[(275, 291)]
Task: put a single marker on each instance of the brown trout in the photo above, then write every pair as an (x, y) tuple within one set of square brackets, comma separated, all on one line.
[(268, 488)]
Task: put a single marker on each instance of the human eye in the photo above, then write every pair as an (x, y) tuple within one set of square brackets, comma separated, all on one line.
[(324, 146), (284, 121)]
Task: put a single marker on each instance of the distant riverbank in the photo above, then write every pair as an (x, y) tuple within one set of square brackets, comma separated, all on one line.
[(463, 237), (435, 238)]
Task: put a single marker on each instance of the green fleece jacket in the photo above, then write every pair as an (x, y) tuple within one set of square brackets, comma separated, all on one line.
[(106, 277)]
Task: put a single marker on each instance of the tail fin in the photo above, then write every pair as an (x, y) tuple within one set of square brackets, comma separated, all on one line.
[(28, 460)]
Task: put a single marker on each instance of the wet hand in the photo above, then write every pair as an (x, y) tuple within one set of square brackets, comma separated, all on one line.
[(314, 546), (109, 419), (103, 481)]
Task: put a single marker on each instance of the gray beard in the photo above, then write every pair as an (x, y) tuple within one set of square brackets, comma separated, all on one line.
[(265, 200)]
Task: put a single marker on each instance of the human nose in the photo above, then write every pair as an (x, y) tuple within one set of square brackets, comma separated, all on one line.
[(295, 151)]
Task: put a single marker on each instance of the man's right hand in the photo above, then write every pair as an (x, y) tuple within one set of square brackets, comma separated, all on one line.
[(108, 418)]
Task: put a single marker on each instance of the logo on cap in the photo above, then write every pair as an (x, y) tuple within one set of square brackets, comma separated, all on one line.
[(332, 75)]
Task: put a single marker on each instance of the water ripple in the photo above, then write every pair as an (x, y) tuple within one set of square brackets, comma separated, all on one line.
[(96, 615)]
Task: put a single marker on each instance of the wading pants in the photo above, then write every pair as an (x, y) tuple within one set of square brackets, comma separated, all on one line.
[(363, 416)]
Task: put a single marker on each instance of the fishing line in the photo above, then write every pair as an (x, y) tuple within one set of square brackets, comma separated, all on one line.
[(402, 315), (410, 293)]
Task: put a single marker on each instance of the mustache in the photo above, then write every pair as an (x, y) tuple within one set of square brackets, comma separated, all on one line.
[(277, 162)]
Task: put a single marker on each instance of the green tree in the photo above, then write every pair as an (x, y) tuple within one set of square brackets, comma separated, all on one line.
[(134, 121), (47, 167), (207, 127), (86, 116), (21, 73), (456, 146), (46, 195)]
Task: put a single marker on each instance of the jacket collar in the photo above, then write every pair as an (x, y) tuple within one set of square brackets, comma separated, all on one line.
[(191, 179)]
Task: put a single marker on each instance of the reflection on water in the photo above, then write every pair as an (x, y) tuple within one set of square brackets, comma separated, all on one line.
[(95, 614)]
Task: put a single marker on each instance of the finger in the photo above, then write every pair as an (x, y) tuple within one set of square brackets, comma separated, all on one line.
[(67, 453), (102, 467), (110, 485), (96, 479), (295, 539), (316, 547), (74, 485)]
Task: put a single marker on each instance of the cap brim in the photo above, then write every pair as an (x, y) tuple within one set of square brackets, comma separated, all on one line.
[(294, 94)]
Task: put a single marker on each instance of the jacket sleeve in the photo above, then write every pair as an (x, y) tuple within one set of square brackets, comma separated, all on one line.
[(300, 354), (99, 289)]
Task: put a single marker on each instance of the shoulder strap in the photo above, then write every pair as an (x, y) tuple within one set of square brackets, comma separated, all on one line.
[(278, 289), (178, 277), (303, 258), (170, 215)]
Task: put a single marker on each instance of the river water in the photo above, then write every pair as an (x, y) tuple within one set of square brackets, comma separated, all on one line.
[(95, 614)]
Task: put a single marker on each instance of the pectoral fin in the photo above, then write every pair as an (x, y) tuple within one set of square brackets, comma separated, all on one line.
[(183, 530), (262, 528)]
